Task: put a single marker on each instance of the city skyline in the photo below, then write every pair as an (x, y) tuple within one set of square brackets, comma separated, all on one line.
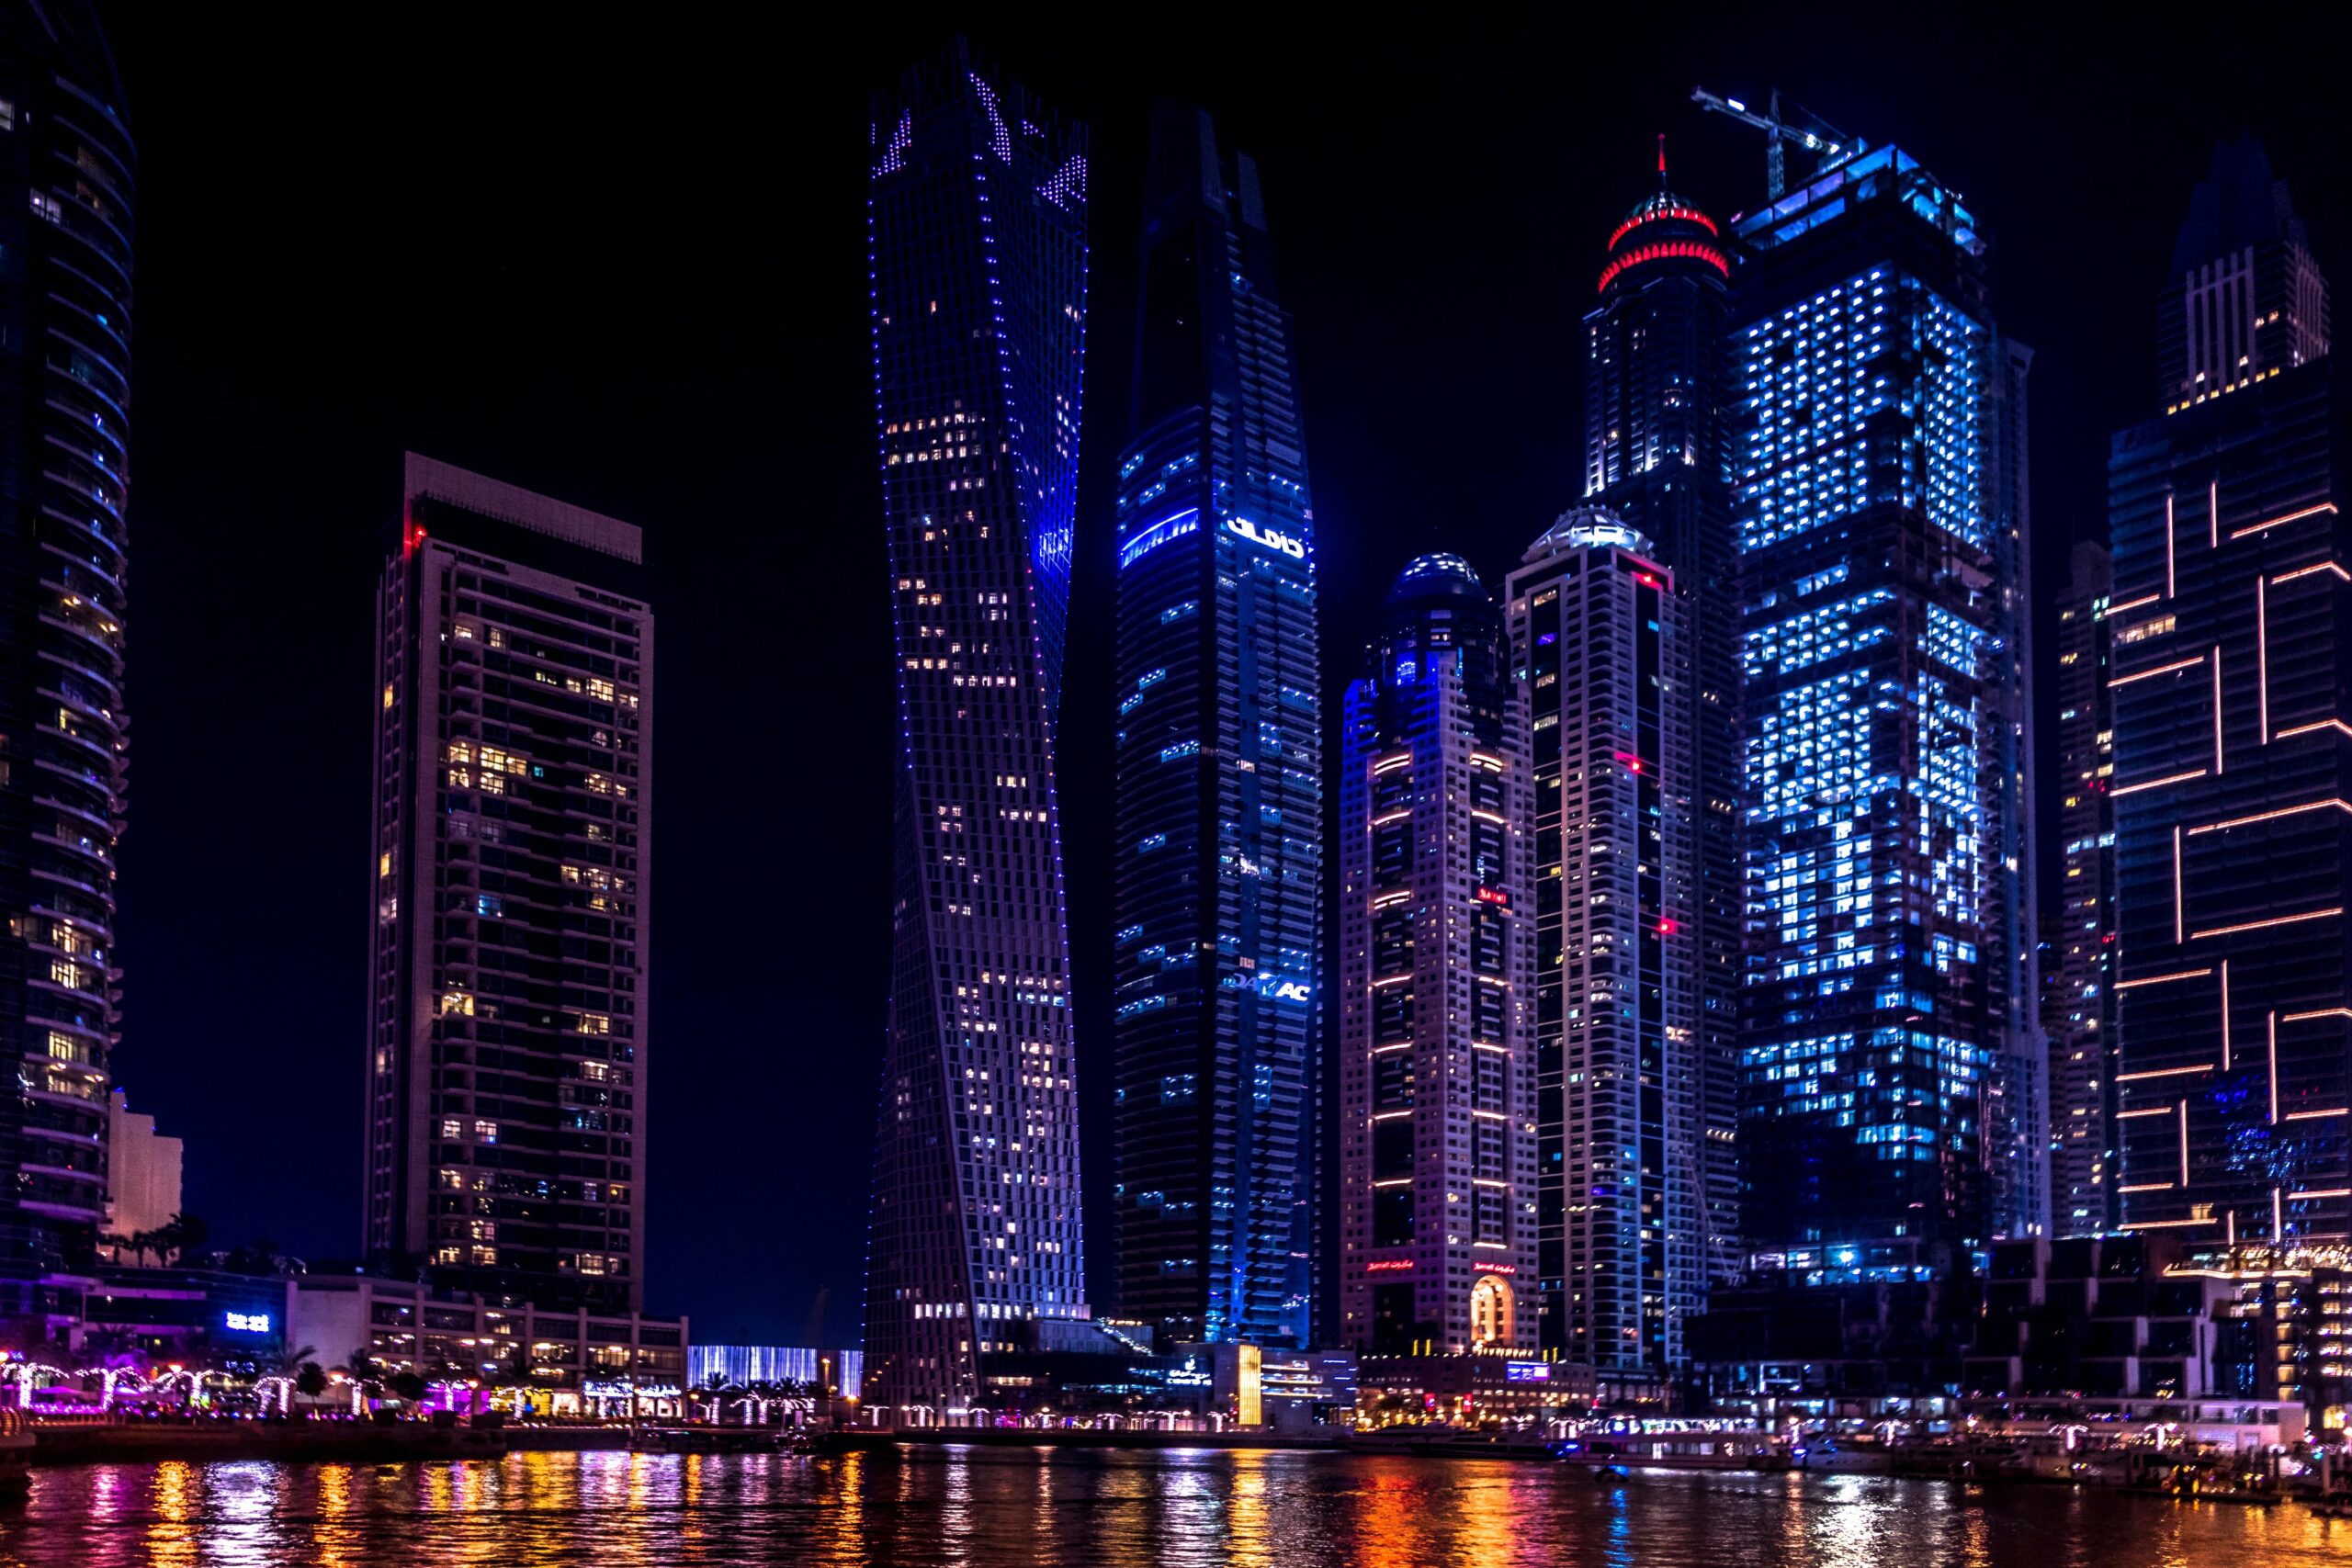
[(1367, 562)]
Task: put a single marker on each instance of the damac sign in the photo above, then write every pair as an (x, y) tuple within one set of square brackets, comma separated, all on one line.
[(1269, 539)]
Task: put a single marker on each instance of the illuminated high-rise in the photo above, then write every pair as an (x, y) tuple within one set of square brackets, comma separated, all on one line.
[(507, 978), (1601, 640), (2233, 786), (1890, 1061), (1437, 1112), (2079, 1017), (1218, 856), (1658, 415), (977, 238), (65, 316)]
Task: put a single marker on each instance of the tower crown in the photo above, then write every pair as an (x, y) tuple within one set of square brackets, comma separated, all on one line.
[(1663, 227)]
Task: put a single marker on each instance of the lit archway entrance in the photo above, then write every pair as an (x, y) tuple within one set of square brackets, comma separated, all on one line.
[(1491, 1312)]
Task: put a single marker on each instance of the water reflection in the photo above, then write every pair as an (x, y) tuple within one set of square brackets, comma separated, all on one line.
[(1071, 1508)]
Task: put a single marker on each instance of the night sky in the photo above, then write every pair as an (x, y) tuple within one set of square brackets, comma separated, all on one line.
[(627, 267)]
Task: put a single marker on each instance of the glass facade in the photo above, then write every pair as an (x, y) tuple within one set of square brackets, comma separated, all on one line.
[(1886, 1074), (507, 974), (1436, 1102), (1219, 755), (2232, 783), (1657, 454), (65, 316), (977, 238), (1601, 641)]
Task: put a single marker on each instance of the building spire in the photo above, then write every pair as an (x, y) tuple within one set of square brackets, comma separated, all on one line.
[(1661, 160)]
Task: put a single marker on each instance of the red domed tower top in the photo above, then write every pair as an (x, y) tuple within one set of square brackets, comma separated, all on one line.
[(1664, 229)]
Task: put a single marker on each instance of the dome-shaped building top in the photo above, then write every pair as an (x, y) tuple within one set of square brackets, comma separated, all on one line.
[(1664, 230)]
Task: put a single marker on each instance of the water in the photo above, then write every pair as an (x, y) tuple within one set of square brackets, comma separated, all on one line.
[(1103, 1510)]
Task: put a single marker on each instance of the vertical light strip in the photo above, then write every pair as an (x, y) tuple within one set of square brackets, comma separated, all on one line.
[(2274, 1066), (2278, 1217), (2179, 916), (2226, 1015), (2184, 1145), (2213, 514), (2217, 708), (2262, 653), (2168, 546), (2232, 1216)]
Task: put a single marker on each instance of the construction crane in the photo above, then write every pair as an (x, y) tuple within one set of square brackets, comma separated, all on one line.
[(1802, 126)]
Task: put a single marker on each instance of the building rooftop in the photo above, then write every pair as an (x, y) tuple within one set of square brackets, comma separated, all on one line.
[(427, 477)]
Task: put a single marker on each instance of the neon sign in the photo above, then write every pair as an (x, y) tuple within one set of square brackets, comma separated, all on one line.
[(1527, 1371), (246, 1322), (1290, 545), (1387, 1265), (1283, 989)]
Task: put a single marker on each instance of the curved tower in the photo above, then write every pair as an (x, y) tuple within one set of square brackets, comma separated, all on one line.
[(977, 233), (1436, 1116), (1220, 787), (65, 300)]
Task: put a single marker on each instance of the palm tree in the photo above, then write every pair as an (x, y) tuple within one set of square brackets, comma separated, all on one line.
[(179, 1236), (310, 1382)]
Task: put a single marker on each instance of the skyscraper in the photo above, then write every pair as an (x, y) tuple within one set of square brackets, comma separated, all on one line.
[(1602, 644), (1437, 1113), (506, 1020), (2233, 780), (976, 238), (1220, 791), (1657, 452), (1888, 985), (2081, 1022), (65, 295)]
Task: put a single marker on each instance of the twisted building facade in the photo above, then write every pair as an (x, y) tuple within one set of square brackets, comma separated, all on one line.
[(977, 240)]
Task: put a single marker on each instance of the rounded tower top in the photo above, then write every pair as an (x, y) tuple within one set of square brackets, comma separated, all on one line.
[(1439, 575), (1665, 229)]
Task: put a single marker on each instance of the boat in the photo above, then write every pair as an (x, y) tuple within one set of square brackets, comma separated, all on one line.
[(1681, 1449)]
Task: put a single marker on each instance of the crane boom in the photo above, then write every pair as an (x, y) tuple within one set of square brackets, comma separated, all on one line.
[(1806, 130)]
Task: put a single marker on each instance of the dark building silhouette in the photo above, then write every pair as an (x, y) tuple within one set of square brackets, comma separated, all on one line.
[(977, 234), (507, 1001), (67, 160), (2233, 786)]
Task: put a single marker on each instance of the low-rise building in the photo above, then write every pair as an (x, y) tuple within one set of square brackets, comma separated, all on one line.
[(1846, 1332), (577, 1362), (1465, 1390)]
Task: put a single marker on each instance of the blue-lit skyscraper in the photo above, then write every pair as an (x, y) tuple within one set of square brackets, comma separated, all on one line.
[(2233, 780), (976, 232), (1220, 793), (1890, 1065)]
